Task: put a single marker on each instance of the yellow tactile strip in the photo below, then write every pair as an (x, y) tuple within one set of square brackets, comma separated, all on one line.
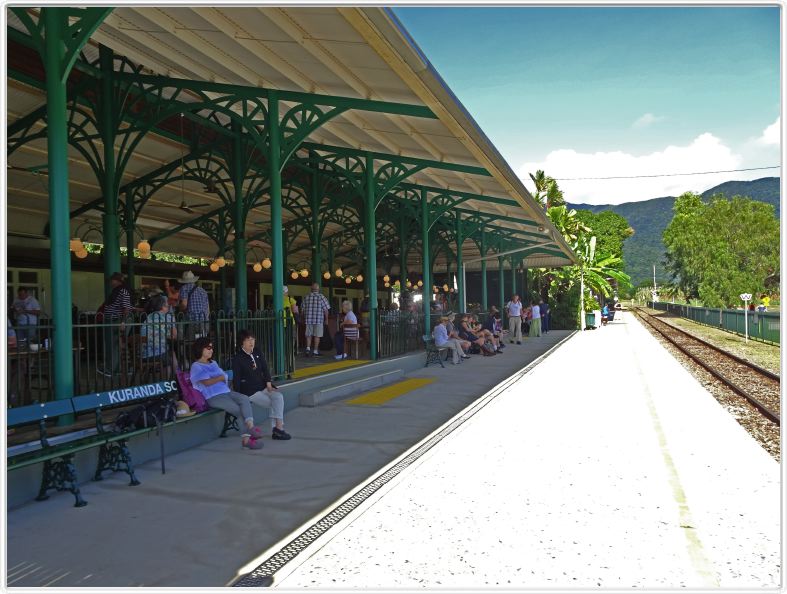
[(318, 369), (387, 393)]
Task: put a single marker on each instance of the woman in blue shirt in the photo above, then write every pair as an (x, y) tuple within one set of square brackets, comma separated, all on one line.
[(211, 381)]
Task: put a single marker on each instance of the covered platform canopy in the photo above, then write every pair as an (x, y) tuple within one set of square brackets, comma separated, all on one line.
[(320, 135)]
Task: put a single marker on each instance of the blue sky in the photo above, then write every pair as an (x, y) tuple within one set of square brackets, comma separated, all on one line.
[(578, 91)]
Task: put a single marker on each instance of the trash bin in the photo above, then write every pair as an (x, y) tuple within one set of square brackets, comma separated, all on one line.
[(590, 319)]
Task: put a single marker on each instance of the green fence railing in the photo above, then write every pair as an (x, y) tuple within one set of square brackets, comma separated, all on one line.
[(763, 326), (398, 332), (116, 353)]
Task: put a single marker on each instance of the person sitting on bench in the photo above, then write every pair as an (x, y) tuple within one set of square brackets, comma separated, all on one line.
[(252, 377), (211, 381), (466, 333), (452, 330), (441, 340), (348, 330)]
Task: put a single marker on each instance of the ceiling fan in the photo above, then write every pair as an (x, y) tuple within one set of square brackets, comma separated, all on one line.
[(190, 208)]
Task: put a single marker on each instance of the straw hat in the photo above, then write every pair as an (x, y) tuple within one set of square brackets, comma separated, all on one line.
[(188, 277), (184, 410)]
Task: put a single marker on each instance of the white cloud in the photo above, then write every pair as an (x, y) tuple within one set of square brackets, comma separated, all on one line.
[(704, 153), (771, 134), (646, 120)]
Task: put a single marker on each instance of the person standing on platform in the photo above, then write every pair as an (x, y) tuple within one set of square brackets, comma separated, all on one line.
[(514, 310), (315, 312), (544, 316), (116, 309), (290, 307), (173, 295), (27, 310), (194, 302), (535, 321)]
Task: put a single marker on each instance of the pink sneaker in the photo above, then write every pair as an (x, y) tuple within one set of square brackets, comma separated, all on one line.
[(253, 444), (256, 432)]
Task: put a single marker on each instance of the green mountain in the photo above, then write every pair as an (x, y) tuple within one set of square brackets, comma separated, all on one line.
[(649, 218)]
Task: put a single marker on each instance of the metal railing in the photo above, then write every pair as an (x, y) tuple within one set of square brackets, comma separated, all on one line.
[(398, 332), (138, 349), (763, 326)]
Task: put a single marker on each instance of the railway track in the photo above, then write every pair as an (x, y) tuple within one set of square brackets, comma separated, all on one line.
[(760, 387)]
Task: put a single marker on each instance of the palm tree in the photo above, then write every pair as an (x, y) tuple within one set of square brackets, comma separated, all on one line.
[(548, 193)]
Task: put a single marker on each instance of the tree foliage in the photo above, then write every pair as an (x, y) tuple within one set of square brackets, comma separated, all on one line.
[(718, 250), (610, 229), (598, 268)]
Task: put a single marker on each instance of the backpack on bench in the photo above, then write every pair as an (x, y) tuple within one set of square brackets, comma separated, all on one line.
[(146, 415)]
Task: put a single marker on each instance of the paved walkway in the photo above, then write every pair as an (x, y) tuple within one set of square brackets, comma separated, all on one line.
[(574, 477), (219, 507)]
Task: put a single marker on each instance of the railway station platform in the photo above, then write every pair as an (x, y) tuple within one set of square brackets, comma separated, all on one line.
[(577, 475), (542, 468), (218, 507)]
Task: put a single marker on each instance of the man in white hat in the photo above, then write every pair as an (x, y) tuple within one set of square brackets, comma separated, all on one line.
[(194, 302)]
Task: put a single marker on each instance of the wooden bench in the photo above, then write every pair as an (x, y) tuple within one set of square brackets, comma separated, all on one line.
[(433, 351)]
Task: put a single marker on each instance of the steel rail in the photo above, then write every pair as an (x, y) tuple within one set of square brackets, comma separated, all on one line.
[(764, 409)]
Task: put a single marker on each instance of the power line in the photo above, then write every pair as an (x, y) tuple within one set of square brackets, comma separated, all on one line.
[(665, 174)]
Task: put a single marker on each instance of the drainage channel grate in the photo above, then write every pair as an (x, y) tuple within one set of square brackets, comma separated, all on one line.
[(262, 576)]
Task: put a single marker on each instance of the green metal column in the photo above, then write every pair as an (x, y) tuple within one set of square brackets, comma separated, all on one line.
[(111, 225), (371, 254), (484, 300), (460, 281), (315, 199), (524, 282), (330, 269), (427, 265), (239, 223), (513, 275), (277, 245), (55, 22), (402, 252), (130, 239), (225, 305), (502, 283)]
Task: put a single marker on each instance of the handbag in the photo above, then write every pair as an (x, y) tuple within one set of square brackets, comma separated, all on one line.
[(189, 394)]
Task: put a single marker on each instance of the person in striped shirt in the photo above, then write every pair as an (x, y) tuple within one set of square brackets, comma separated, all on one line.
[(348, 330), (117, 307)]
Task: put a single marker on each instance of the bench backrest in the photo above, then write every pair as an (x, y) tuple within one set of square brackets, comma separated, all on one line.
[(39, 412), (123, 396)]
